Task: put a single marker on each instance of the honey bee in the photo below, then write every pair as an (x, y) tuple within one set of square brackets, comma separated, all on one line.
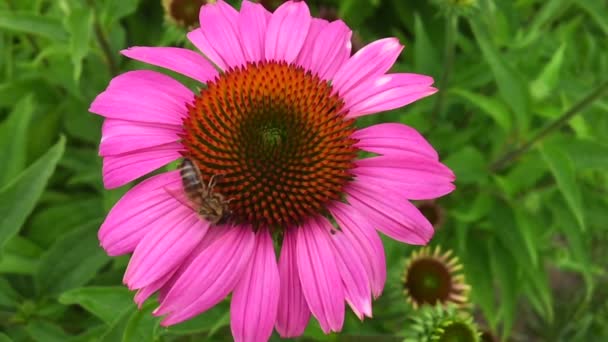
[(209, 205)]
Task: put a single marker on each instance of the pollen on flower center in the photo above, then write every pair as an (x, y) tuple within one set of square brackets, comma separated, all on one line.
[(277, 137)]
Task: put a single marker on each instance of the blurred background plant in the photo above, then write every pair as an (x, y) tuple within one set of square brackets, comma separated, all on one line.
[(521, 118)]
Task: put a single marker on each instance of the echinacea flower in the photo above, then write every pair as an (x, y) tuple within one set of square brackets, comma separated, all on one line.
[(442, 324), (274, 129), (434, 277)]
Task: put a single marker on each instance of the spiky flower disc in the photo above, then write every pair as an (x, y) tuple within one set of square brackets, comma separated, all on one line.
[(279, 138), (442, 324), (432, 277)]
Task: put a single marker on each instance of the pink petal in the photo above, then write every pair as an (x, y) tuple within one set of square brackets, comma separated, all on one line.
[(162, 250), (255, 299), (212, 235), (387, 92), (183, 61), (371, 61), (331, 49), (122, 136), (319, 276), (365, 242), (392, 215), (252, 28), (304, 58), (218, 36), (393, 139), (145, 292), (293, 313), (210, 277), (138, 212), (145, 96), (120, 169), (414, 177), (287, 30), (357, 291)]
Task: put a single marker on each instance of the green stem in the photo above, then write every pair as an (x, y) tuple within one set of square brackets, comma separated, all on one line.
[(451, 32), (577, 108), (103, 41)]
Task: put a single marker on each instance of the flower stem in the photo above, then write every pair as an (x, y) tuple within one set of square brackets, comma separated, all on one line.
[(451, 31), (577, 108), (103, 42)]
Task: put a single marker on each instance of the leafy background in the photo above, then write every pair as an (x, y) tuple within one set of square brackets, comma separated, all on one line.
[(515, 75)]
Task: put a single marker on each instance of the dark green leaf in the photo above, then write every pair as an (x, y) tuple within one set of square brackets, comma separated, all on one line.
[(71, 261), (13, 140), (8, 296), (468, 164), (18, 198), (205, 322), (493, 107), (107, 303), (45, 331), (142, 325)]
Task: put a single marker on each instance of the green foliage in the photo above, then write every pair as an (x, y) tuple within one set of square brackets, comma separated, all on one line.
[(530, 230)]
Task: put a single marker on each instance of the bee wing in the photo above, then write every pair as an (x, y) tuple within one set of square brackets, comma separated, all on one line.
[(180, 196)]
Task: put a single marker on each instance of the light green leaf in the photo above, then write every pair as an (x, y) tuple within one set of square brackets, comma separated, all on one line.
[(548, 78), (11, 262), (31, 23), (511, 86), (107, 303), (493, 107), (468, 164), (14, 138), (72, 261), (563, 170), (79, 23), (587, 154), (4, 338), (19, 198)]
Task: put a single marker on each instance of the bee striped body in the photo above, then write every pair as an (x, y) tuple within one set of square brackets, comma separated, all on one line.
[(209, 205)]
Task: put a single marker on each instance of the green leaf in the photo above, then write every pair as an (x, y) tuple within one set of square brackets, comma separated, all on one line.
[(13, 139), (548, 78), (72, 261), (468, 164), (425, 56), (116, 330), (19, 198), (142, 325), (510, 85), (4, 338), (79, 23), (587, 154), (205, 322), (597, 12), (59, 218), (45, 331), (563, 170), (107, 303), (493, 107), (503, 269), (114, 10), (31, 23), (9, 298), (11, 262)]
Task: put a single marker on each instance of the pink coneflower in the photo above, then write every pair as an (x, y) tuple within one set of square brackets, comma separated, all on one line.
[(274, 129)]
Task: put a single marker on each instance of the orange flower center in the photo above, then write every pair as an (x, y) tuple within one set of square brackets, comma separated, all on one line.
[(276, 139)]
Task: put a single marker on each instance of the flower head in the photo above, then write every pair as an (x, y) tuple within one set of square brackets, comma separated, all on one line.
[(442, 324), (184, 12), (432, 277), (270, 156)]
